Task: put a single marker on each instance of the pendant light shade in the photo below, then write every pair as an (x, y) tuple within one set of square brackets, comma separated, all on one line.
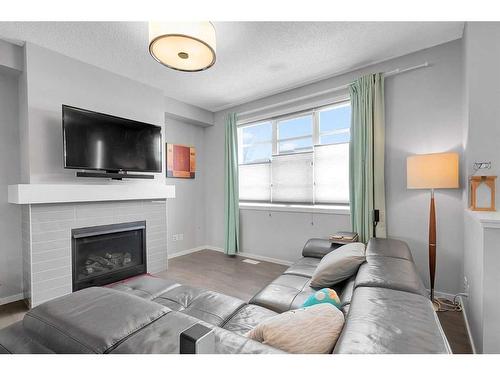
[(185, 46)]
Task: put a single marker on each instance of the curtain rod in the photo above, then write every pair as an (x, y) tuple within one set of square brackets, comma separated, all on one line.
[(338, 88)]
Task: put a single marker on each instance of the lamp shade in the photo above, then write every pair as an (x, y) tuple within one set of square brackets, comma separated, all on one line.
[(432, 171), (185, 46)]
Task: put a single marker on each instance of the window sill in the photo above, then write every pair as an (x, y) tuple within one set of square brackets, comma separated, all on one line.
[(277, 207)]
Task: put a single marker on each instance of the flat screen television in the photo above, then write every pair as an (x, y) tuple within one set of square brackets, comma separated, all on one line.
[(96, 141)]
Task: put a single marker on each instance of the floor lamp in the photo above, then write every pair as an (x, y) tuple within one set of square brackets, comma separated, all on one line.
[(432, 171)]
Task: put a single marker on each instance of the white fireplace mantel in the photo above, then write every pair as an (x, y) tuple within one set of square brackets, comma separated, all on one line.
[(63, 193)]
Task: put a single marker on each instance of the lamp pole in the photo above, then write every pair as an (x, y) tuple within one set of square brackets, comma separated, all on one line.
[(432, 243)]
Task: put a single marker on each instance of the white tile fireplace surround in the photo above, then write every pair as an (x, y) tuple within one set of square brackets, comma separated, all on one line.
[(46, 235)]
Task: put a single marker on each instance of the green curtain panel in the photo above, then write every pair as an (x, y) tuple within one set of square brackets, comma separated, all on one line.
[(231, 195), (366, 155)]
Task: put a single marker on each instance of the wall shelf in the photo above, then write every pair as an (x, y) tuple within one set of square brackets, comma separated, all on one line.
[(63, 193)]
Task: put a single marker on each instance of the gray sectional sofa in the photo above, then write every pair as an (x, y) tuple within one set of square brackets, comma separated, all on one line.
[(385, 305)]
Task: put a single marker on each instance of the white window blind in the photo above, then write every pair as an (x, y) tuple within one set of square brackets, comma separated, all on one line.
[(255, 182), (292, 179), (331, 173)]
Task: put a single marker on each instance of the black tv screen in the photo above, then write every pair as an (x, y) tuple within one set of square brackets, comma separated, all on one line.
[(103, 142)]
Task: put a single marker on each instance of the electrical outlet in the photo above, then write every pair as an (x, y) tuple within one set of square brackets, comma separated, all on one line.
[(178, 237)]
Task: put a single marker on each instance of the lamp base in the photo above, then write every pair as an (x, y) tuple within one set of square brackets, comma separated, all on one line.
[(443, 305)]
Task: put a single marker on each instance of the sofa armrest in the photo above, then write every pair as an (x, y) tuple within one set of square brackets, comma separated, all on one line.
[(197, 339), (92, 320), (15, 340)]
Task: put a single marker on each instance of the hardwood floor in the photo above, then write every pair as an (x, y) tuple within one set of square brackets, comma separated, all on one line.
[(453, 324), (215, 271), (230, 275), (11, 313)]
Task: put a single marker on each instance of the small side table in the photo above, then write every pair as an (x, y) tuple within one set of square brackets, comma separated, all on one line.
[(344, 238)]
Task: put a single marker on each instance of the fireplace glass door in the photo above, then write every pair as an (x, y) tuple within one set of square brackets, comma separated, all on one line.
[(108, 253)]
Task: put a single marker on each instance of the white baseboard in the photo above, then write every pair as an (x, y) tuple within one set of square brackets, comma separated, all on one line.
[(265, 259), (242, 254), (13, 298), (467, 326), (254, 256), (186, 252), (214, 248)]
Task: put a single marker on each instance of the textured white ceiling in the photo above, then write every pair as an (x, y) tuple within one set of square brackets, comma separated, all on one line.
[(254, 59)]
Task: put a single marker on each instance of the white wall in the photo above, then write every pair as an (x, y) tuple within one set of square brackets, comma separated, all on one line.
[(186, 213), (423, 114), (11, 57), (482, 98), (281, 235), (54, 79), (473, 270), (181, 111), (10, 216), (482, 60)]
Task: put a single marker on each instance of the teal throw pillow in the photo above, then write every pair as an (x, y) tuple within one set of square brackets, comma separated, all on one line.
[(325, 295)]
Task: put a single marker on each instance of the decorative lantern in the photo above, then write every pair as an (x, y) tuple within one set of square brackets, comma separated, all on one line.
[(482, 193)]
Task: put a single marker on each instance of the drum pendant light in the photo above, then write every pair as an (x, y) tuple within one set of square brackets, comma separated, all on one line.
[(184, 46)]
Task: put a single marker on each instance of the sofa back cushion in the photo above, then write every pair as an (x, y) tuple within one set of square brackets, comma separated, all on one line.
[(390, 273), (338, 265), (91, 320), (388, 247)]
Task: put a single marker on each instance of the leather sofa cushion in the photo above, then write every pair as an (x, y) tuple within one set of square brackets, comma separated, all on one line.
[(162, 337), (388, 247), (280, 294), (390, 273), (346, 291), (303, 267), (91, 320), (391, 321), (14, 339), (247, 318), (179, 298), (212, 307), (318, 248), (288, 292), (145, 286)]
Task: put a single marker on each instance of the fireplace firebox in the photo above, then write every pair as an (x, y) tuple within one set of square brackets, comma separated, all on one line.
[(108, 253)]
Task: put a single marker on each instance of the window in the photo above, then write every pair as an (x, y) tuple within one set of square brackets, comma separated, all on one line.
[(295, 134), (301, 158), (334, 124), (255, 143)]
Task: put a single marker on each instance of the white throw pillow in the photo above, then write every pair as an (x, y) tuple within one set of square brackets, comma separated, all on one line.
[(309, 330), (338, 265)]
